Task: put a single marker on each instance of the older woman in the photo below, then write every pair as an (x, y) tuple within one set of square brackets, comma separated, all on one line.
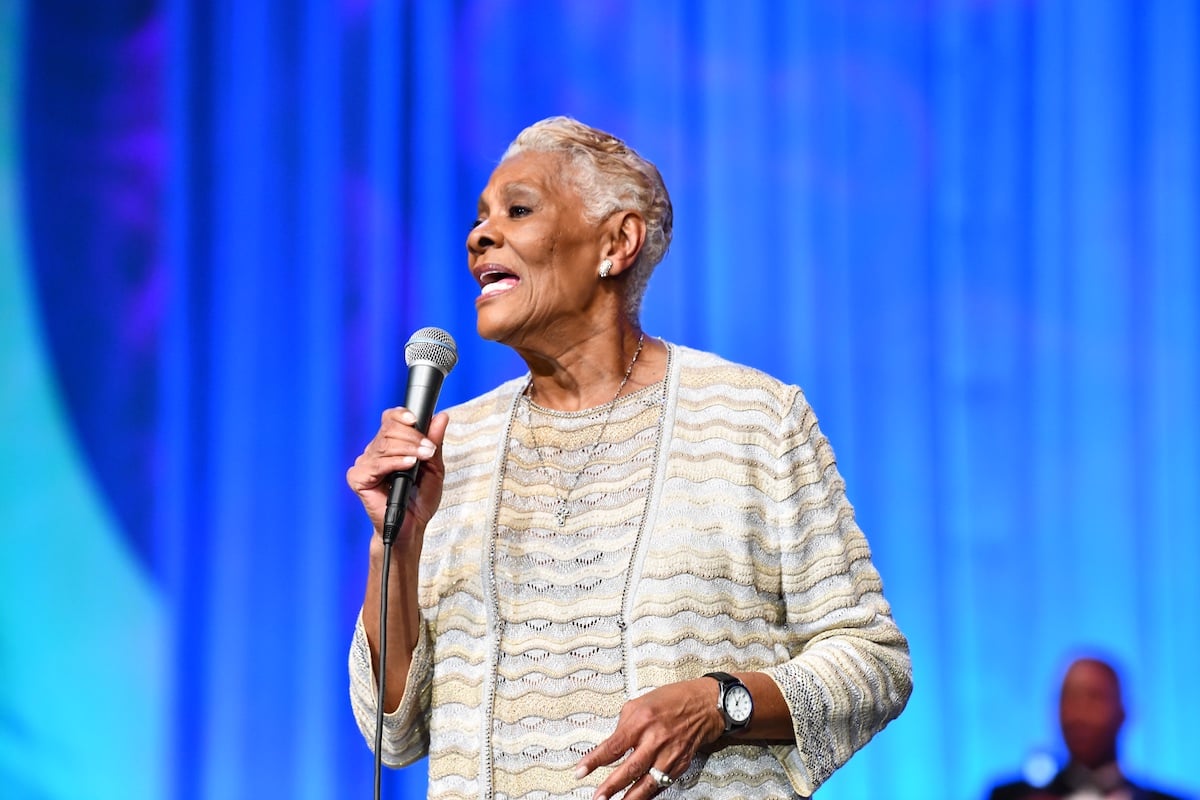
[(633, 569)]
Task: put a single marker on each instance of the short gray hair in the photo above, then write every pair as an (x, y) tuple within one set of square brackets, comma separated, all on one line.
[(610, 177)]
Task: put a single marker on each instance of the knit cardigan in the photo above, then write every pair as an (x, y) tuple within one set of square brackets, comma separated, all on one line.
[(752, 561)]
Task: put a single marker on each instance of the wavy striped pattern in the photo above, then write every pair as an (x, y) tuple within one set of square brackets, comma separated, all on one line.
[(561, 677), (751, 560)]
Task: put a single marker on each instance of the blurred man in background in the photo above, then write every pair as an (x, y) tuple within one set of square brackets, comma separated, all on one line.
[(1091, 713)]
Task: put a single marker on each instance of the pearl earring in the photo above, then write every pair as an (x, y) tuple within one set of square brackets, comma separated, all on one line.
[(605, 267)]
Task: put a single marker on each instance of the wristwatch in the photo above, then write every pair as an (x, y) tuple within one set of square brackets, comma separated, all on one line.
[(734, 702)]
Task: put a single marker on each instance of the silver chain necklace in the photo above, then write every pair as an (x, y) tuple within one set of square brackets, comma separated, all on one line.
[(562, 510)]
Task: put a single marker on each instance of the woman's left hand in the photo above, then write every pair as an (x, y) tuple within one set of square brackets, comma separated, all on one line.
[(664, 729)]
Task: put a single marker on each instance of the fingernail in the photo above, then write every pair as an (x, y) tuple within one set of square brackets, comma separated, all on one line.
[(408, 418), (426, 448), (581, 771)]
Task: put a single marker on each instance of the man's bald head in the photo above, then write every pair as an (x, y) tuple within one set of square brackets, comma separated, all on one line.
[(1091, 711)]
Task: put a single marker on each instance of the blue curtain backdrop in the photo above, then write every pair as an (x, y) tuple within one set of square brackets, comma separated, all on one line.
[(967, 229)]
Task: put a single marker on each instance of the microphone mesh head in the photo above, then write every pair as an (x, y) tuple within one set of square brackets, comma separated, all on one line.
[(431, 346)]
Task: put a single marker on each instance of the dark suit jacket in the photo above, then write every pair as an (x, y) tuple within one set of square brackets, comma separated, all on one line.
[(1020, 790)]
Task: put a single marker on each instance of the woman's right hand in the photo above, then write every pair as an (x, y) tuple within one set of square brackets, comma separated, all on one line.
[(397, 446)]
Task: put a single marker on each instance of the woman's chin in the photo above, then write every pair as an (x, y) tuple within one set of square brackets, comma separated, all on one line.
[(492, 327)]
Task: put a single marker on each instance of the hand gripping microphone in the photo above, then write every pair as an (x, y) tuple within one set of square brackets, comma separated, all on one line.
[(430, 355)]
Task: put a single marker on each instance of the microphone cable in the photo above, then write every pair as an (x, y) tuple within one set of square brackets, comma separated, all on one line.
[(383, 637)]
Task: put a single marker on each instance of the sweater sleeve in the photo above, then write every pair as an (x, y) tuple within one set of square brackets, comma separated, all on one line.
[(405, 730), (850, 672)]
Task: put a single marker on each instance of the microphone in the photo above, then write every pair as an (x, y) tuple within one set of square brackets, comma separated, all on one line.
[(430, 355)]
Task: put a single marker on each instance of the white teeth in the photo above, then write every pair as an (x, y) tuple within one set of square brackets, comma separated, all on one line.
[(499, 286)]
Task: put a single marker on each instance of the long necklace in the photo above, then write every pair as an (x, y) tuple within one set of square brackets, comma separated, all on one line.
[(562, 511)]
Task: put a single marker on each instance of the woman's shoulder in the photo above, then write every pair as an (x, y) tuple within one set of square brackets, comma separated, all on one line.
[(496, 402), (477, 424), (704, 372)]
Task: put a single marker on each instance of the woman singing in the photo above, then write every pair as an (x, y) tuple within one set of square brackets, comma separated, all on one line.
[(634, 569)]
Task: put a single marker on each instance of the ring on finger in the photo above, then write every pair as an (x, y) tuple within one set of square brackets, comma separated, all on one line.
[(661, 778)]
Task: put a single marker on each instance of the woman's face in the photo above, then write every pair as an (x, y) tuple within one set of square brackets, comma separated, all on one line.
[(534, 255)]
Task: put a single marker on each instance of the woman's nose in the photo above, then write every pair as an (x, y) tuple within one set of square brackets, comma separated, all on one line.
[(482, 236)]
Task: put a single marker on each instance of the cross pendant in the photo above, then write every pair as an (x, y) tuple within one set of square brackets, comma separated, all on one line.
[(562, 512)]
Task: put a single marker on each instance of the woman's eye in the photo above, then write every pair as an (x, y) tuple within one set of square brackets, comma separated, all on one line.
[(475, 223), (519, 211)]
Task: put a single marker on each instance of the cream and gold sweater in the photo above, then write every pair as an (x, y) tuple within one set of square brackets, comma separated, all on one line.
[(709, 530)]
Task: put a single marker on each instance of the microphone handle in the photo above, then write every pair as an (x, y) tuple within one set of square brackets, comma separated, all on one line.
[(424, 384)]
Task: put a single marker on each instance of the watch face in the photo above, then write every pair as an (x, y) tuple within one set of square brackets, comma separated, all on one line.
[(738, 704)]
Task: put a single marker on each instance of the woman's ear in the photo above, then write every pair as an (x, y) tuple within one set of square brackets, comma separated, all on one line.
[(628, 236)]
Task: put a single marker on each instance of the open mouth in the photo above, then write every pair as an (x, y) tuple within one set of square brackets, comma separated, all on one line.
[(496, 281)]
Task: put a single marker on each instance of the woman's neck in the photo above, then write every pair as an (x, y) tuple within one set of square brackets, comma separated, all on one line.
[(596, 372)]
